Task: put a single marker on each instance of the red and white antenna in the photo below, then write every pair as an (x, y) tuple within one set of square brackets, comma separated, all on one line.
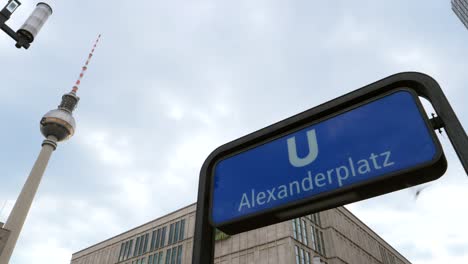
[(85, 67)]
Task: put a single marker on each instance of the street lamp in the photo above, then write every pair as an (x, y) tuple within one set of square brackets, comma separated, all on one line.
[(26, 34)]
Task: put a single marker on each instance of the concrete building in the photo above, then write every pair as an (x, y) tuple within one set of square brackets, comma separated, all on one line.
[(334, 236), (460, 7)]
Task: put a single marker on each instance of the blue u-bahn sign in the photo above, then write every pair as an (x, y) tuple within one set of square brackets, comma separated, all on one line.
[(370, 141)]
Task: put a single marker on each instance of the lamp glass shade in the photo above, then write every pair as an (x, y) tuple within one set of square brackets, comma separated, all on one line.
[(35, 21)]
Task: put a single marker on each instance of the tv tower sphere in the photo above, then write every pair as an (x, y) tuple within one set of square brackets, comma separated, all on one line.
[(59, 122)]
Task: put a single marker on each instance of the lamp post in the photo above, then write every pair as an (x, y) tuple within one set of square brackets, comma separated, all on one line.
[(26, 34)]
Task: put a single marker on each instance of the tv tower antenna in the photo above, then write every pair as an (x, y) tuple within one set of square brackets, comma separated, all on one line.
[(56, 125), (85, 67)]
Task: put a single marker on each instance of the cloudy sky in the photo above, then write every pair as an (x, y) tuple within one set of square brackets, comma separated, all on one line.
[(172, 80)]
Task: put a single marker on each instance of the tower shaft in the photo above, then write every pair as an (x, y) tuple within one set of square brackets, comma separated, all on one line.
[(18, 215)]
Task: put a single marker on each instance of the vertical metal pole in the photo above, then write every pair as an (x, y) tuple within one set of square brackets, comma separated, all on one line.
[(204, 239)]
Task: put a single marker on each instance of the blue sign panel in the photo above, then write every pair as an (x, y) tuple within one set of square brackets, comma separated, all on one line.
[(381, 137)]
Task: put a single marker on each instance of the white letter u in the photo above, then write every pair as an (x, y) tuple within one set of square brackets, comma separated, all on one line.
[(313, 150)]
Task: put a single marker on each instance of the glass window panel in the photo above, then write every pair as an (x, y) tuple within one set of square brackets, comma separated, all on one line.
[(158, 233), (137, 244), (153, 236), (322, 242), (298, 228), (126, 250), (312, 238), (294, 228), (150, 259), (129, 249), (319, 244), (307, 258), (296, 249), (174, 255), (176, 233), (155, 259), (168, 256), (182, 229), (145, 246), (179, 255), (160, 257), (121, 251), (171, 231), (140, 248), (163, 237), (302, 256), (304, 231), (143, 260)]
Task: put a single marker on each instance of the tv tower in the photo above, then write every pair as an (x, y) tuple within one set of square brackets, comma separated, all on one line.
[(56, 125)]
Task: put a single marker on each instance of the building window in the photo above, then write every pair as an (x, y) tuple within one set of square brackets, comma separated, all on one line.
[(171, 231), (298, 228), (316, 219), (307, 258), (156, 258), (179, 255), (302, 256), (182, 229), (317, 240), (176, 233), (313, 238), (296, 250), (158, 234), (129, 249), (304, 231), (121, 251), (160, 261), (137, 244), (145, 246), (322, 244), (294, 228), (168, 256), (153, 238), (140, 247), (163, 237), (174, 255)]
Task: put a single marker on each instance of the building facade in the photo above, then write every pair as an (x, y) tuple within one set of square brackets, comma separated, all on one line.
[(460, 7), (334, 236)]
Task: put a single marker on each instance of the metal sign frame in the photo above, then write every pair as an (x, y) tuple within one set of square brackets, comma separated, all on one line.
[(423, 85), (372, 187)]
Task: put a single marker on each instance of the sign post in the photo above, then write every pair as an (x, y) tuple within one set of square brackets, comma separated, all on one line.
[(369, 142)]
